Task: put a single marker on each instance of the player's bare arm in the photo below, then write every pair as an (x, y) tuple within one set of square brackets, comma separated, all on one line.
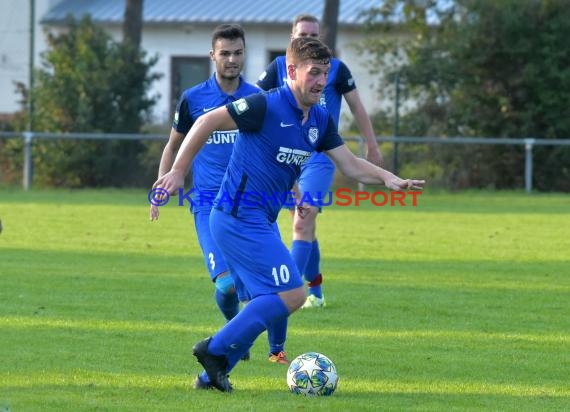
[(169, 152), (364, 125), (218, 119), (367, 173), (166, 160)]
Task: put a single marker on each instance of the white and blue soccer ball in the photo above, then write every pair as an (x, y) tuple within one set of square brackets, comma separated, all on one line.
[(312, 374)]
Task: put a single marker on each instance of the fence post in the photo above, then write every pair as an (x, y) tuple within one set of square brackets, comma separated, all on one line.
[(27, 175), (396, 124), (528, 143)]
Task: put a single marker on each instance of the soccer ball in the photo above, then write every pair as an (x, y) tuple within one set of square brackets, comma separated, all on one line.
[(312, 374)]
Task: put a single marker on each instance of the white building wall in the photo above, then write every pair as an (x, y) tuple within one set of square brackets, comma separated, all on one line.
[(14, 49), (15, 46), (365, 83), (180, 40), (187, 42)]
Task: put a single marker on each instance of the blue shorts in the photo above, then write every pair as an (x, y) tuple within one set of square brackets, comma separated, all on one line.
[(213, 257), (243, 294), (316, 178), (255, 253)]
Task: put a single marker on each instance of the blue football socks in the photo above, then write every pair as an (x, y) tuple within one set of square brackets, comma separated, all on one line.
[(312, 269), (228, 303), (238, 335), (300, 252), (276, 335)]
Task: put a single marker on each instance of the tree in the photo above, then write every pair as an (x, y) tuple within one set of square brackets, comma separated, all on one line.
[(90, 83), (480, 68), (330, 23), (132, 23)]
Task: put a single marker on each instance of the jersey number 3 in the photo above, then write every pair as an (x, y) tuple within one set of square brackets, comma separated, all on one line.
[(212, 261)]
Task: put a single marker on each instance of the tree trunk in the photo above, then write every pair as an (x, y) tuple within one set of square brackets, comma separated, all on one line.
[(329, 23), (132, 23)]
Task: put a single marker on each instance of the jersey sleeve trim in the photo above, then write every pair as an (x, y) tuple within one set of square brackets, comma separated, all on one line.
[(331, 139), (249, 112)]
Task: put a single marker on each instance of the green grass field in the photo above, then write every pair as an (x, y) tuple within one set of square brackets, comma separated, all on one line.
[(460, 303)]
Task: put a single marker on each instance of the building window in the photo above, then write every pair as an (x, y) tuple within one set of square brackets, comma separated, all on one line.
[(186, 72), (272, 54)]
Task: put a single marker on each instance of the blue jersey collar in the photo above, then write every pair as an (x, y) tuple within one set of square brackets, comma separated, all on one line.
[(214, 83)]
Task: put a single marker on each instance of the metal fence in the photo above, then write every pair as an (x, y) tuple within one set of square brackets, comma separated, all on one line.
[(528, 144)]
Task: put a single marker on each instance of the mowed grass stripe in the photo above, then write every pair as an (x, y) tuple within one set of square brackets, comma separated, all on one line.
[(132, 326), (117, 380)]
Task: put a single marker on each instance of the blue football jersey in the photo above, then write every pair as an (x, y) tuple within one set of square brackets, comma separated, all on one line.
[(339, 82), (270, 150), (210, 164)]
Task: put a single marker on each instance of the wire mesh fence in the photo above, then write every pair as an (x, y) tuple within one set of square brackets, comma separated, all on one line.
[(452, 163)]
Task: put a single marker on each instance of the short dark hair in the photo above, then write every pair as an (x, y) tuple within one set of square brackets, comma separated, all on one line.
[(228, 31), (304, 17), (302, 49)]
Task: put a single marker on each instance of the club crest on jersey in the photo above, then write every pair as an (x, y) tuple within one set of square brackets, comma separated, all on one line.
[(240, 106), (313, 134)]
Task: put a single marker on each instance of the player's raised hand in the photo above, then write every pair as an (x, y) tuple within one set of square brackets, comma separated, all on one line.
[(405, 184)]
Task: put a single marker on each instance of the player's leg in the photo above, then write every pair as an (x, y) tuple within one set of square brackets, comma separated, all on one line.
[(277, 331), (315, 182), (202, 381), (304, 227), (243, 297), (225, 292), (313, 272), (264, 265), (277, 335), (226, 296)]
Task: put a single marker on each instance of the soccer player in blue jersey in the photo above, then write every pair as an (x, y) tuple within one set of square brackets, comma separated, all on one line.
[(279, 131), (226, 85), (318, 173)]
